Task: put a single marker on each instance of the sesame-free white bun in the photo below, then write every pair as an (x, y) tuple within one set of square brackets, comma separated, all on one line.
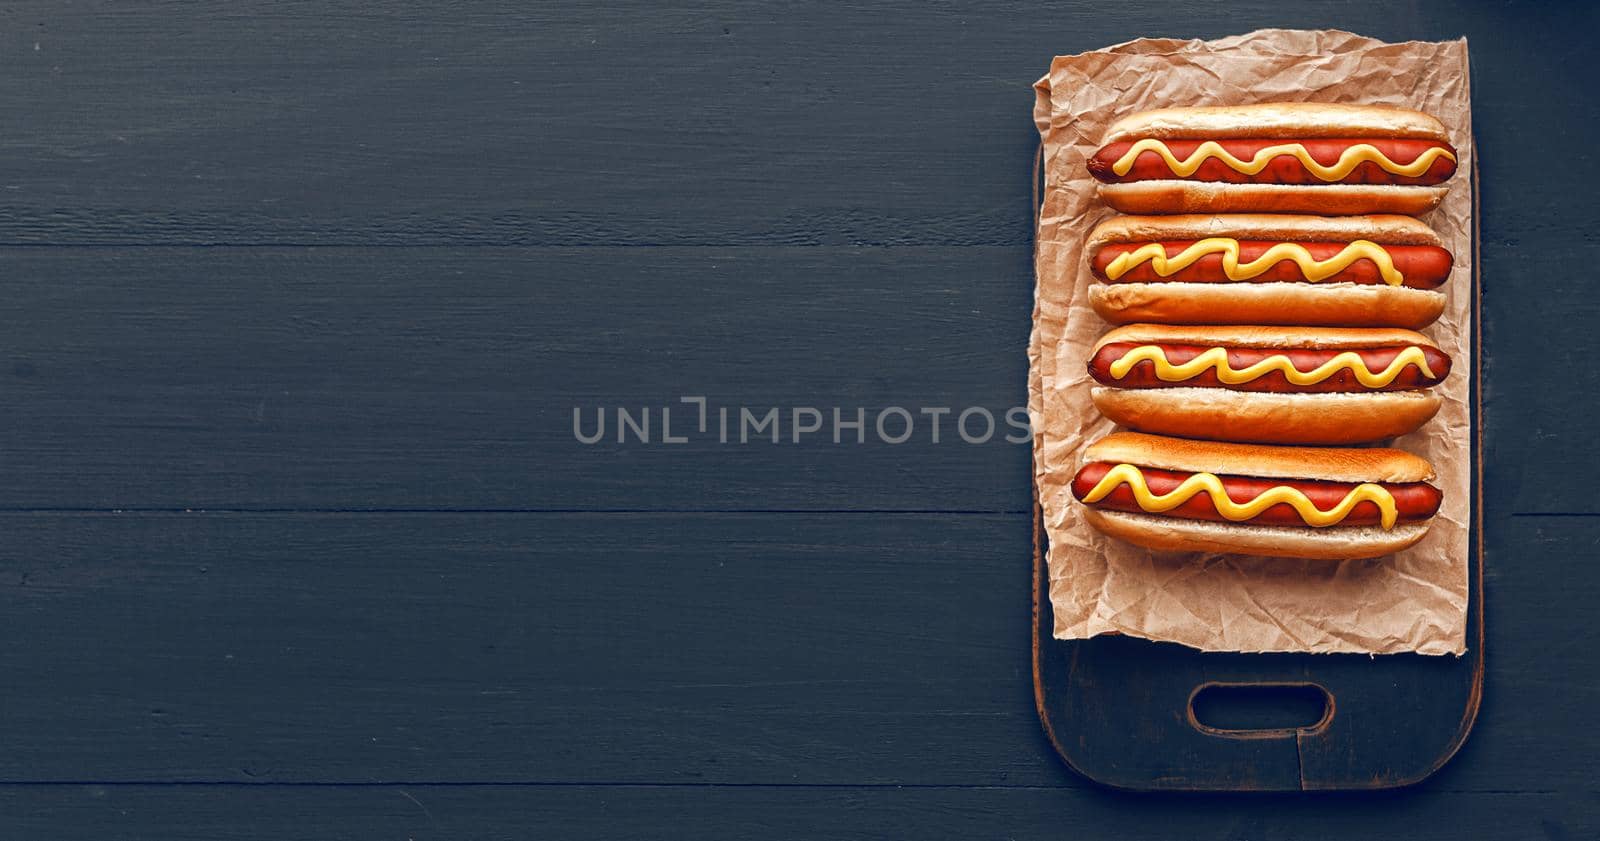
[(1384, 229), (1252, 336), (1331, 464), (1328, 464), (1275, 302), (1307, 120), (1181, 196), (1327, 304), (1171, 534), (1262, 416), (1267, 417), (1288, 121)]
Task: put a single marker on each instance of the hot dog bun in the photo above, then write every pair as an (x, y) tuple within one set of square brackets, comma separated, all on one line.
[(1221, 300), (1179, 196), (1366, 189), (1328, 464), (1166, 532), (1170, 534), (1266, 303), (1359, 414), (1388, 229), (1279, 119), (1268, 418), (1258, 336)]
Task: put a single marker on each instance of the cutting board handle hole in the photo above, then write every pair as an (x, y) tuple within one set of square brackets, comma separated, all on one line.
[(1259, 710)]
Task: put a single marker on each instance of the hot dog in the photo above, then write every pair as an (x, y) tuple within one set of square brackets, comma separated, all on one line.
[(1311, 385), (1379, 271), (1421, 266), (1292, 157), (1203, 496), (1429, 370), (1385, 163), (1414, 501)]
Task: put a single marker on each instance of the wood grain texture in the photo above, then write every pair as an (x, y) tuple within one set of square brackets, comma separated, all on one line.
[(311, 124), (91, 813), (592, 648), (842, 229), (730, 123), (1381, 723), (447, 378), (518, 648)]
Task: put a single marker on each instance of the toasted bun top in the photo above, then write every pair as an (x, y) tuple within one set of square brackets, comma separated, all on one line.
[(1331, 464), (1278, 119), (1282, 227), (1322, 338)]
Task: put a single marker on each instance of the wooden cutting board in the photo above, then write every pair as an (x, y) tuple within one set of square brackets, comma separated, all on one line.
[(1123, 711)]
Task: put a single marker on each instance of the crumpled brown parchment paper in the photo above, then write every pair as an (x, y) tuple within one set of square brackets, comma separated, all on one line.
[(1413, 601)]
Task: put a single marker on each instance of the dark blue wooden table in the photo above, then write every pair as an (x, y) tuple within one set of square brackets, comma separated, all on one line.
[(298, 537)]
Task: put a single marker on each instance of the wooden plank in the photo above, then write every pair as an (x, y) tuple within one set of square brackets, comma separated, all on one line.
[(839, 649), (729, 124), (570, 648), (92, 813), (447, 378)]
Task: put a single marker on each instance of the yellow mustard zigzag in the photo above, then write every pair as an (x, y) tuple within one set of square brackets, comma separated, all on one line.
[(1349, 159), (1217, 358), (1314, 269), (1130, 475)]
